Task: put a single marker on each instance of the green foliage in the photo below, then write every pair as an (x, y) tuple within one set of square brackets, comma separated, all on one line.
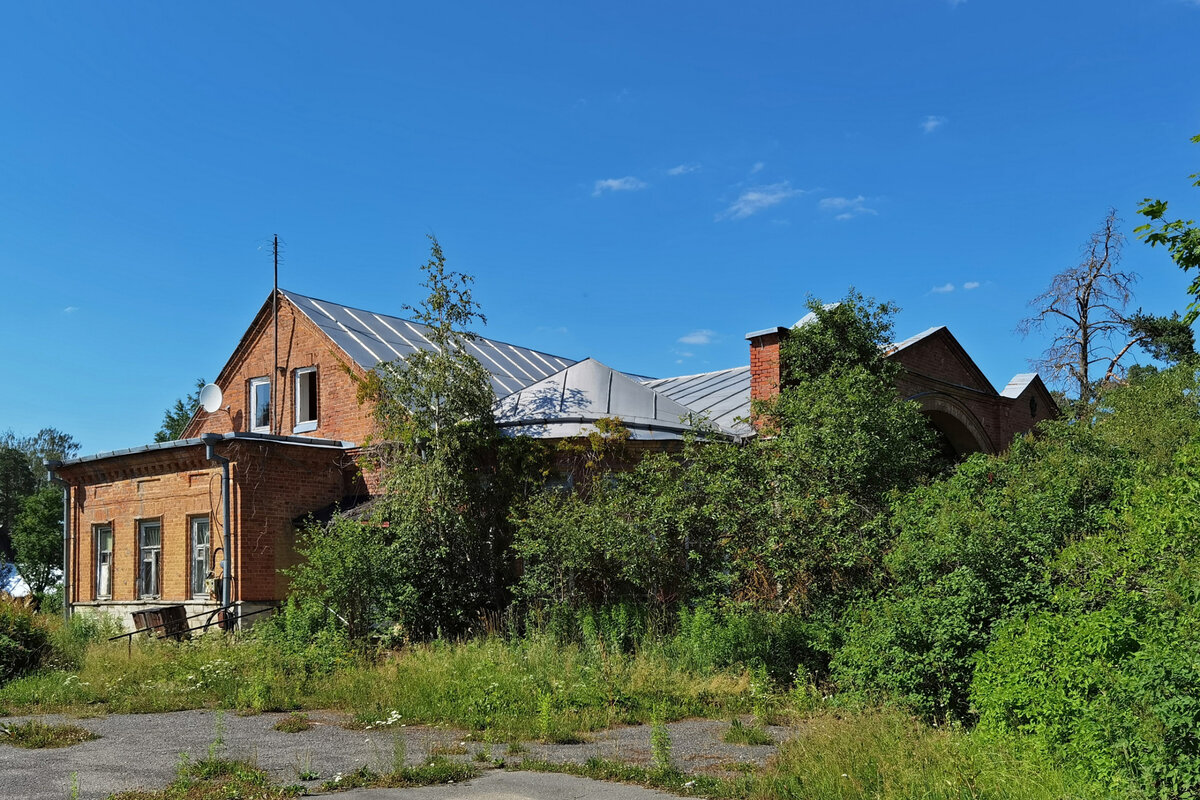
[(24, 641), (1167, 339), (37, 538), (435, 545), (177, 416), (1151, 418), (781, 523), (349, 570), (1106, 678), (38, 735), (851, 333), (740, 733), (970, 550), (16, 483), (1180, 237)]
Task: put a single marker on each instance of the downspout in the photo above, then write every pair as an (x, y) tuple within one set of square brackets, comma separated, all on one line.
[(51, 466), (210, 440)]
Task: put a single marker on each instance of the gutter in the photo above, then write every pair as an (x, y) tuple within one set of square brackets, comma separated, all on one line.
[(51, 466)]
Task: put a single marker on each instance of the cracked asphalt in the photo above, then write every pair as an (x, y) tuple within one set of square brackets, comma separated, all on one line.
[(143, 751)]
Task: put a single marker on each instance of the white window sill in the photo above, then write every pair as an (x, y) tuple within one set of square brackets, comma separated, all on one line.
[(305, 427)]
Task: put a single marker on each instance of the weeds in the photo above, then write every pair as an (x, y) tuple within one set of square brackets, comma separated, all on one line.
[(660, 744), (434, 771), (216, 779), (293, 723), (739, 733), (35, 735)]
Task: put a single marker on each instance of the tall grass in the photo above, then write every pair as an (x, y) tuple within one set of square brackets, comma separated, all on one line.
[(487, 684)]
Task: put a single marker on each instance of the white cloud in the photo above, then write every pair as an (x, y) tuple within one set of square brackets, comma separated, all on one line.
[(626, 184), (682, 169), (944, 289), (969, 285), (756, 198), (931, 123), (70, 309), (848, 207), (703, 336), (758, 166)]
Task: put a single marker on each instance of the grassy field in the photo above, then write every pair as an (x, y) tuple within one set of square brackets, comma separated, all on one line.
[(512, 690)]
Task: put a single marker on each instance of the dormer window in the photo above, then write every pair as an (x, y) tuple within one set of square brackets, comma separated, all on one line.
[(260, 405), (306, 400)]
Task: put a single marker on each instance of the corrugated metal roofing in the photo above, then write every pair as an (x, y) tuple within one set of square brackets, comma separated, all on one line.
[(566, 404), (370, 338), (723, 396)]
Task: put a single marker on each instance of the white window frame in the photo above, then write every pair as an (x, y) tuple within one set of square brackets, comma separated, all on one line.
[(303, 426), (155, 591), (257, 385), (103, 592), (193, 550)]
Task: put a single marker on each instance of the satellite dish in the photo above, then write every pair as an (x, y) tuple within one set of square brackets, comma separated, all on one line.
[(210, 397)]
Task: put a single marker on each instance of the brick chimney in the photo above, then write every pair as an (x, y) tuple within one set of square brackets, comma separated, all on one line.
[(765, 375)]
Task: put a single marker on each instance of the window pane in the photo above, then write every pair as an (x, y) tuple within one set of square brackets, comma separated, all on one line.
[(262, 404), (200, 551), (151, 534), (306, 396), (103, 562)]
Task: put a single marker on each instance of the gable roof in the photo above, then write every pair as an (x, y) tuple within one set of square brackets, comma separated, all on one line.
[(982, 384), (369, 338), (567, 403)]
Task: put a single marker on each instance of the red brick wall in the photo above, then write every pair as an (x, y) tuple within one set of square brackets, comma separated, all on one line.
[(301, 344), (765, 376), (170, 486), (273, 484), (937, 358)]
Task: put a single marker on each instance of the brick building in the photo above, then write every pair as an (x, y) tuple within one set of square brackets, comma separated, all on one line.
[(146, 526)]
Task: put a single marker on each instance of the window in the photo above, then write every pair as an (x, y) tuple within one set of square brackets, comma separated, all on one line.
[(260, 405), (104, 550), (150, 554), (306, 400), (201, 548)]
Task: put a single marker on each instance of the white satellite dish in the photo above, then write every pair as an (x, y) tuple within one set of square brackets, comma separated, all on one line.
[(210, 397)]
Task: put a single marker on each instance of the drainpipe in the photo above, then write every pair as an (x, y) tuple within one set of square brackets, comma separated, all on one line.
[(51, 466), (210, 440)]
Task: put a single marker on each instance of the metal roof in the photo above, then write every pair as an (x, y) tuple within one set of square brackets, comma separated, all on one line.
[(723, 396), (568, 403), (305, 441), (896, 347), (1018, 384), (370, 338)]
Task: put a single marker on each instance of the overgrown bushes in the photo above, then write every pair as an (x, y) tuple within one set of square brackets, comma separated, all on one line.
[(24, 640)]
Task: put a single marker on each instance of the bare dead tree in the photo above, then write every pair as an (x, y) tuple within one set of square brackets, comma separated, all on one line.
[(1085, 309)]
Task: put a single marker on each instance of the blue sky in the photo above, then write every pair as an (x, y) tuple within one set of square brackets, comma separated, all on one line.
[(642, 183)]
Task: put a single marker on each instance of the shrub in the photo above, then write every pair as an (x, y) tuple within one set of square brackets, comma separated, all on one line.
[(24, 641)]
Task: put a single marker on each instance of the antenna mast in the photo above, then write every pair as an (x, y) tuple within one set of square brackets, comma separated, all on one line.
[(275, 318)]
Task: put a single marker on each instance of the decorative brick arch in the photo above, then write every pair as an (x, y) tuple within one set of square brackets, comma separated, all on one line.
[(954, 419)]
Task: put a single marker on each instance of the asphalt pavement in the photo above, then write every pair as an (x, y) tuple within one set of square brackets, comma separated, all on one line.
[(144, 751)]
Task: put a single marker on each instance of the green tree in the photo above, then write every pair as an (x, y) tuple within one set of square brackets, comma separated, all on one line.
[(48, 444), (23, 472), (441, 519), (1180, 237), (37, 539), (177, 417), (16, 483)]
